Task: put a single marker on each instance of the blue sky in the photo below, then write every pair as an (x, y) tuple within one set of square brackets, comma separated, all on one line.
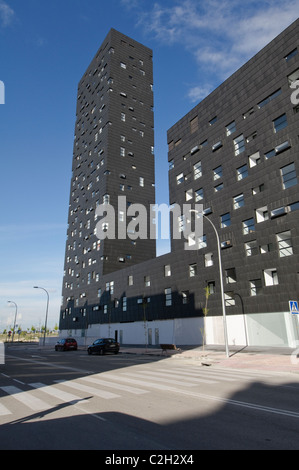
[(45, 47)]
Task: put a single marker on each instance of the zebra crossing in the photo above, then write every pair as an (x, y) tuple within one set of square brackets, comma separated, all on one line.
[(39, 397)]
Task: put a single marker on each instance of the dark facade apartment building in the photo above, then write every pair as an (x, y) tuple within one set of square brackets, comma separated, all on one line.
[(113, 155), (236, 153)]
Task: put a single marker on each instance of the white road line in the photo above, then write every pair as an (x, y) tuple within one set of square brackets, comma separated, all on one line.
[(125, 388), (233, 372), (153, 376), (140, 382), (65, 397), (245, 374), (91, 390), (19, 381), (213, 370), (53, 365), (26, 398), (56, 392), (194, 375), (181, 376), (4, 411)]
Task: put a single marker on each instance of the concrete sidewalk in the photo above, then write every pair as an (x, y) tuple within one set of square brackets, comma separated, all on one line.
[(254, 358)]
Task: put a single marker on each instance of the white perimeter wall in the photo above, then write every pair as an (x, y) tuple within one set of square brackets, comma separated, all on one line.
[(278, 329)]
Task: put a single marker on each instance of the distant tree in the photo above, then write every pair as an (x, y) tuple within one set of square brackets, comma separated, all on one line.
[(205, 312)]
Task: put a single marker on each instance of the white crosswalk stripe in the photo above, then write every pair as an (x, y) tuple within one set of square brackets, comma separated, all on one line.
[(55, 392), (90, 390), (223, 370), (227, 374), (172, 378), (145, 383), (26, 398), (4, 411), (195, 375), (118, 386), (244, 374)]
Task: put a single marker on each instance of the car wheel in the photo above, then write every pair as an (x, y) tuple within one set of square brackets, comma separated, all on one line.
[(89, 352)]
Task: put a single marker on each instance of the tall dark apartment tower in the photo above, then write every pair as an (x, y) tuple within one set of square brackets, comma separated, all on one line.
[(113, 156)]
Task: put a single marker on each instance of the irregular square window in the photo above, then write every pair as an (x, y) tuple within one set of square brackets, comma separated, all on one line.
[(168, 297), (217, 173), (229, 298), (213, 120), (218, 187), (189, 194), (192, 270), (230, 275), (289, 177), (230, 128), (180, 178), (238, 201), (254, 159), (269, 98), (251, 248), (239, 144), (248, 226), (167, 270), (225, 220), (256, 287), (242, 172), (197, 170), (202, 242), (280, 123), (284, 241), (270, 276), (208, 259), (291, 54), (262, 214)]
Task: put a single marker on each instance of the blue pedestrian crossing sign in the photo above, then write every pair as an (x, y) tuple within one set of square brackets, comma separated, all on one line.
[(293, 304)]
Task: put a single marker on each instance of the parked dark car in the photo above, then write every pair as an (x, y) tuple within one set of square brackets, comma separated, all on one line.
[(66, 344), (103, 346)]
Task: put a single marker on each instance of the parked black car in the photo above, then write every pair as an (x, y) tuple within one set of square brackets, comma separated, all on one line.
[(103, 346), (66, 344)]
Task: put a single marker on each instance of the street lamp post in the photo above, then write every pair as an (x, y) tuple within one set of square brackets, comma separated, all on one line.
[(221, 281), (14, 326), (37, 287)]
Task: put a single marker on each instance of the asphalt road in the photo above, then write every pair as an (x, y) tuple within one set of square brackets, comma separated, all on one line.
[(71, 401)]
